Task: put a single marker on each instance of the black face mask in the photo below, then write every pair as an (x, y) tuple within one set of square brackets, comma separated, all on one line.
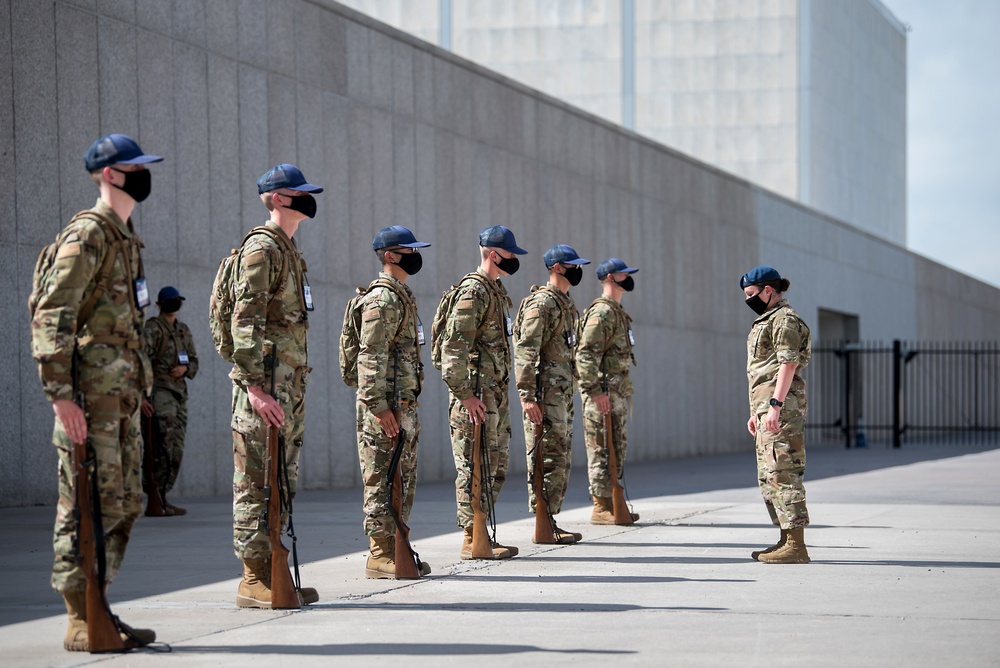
[(628, 285), (508, 265), (305, 204), (756, 304), (170, 305), (137, 184), (410, 262), (574, 275)]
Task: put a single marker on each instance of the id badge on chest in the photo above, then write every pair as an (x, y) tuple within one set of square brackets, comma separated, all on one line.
[(182, 357), (631, 338), (510, 327), (141, 292), (420, 334), (307, 295), (571, 338)]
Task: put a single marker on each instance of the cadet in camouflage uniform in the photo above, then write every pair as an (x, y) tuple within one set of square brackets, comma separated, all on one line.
[(390, 340), (544, 339), (778, 348), (114, 372), (477, 336), (171, 350), (603, 357), (272, 300)]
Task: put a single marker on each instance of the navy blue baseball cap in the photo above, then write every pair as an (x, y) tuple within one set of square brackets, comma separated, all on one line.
[(562, 254), (396, 235), (499, 236), (285, 176), (168, 292), (115, 149), (614, 265), (758, 275)]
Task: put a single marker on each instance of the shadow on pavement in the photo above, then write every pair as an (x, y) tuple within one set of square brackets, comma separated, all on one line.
[(402, 649)]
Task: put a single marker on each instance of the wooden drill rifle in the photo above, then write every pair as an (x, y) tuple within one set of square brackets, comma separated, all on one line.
[(150, 440), (545, 532), (283, 593), (103, 632), (482, 546), (406, 559), (620, 507)]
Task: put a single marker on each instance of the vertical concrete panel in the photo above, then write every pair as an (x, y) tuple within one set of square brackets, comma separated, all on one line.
[(156, 219), (254, 153), (383, 171), (312, 234), (11, 445), (224, 205), (425, 206), (252, 23), (191, 109), (361, 186), (76, 66), (8, 233), (402, 78), (222, 35), (321, 44), (482, 191), (36, 132), (359, 77), (404, 172), (423, 86), (282, 118), (118, 61), (336, 197), (280, 45), (155, 16), (461, 99), (380, 63), (189, 22), (123, 10), (444, 110)]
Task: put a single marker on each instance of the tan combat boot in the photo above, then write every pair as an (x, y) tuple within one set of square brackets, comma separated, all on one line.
[(792, 552), (381, 564), (76, 632), (175, 510), (255, 587), (769, 550), (499, 551), (566, 537), (603, 511)]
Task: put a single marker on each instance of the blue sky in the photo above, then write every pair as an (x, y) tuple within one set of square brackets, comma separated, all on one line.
[(953, 109)]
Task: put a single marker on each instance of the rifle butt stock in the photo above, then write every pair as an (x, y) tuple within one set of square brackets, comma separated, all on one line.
[(406, 566), (545, 533), (622, 514), (154, 501), (283, 593), (482, 547)]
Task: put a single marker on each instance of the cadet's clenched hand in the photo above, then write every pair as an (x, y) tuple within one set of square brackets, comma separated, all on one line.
[(533, 411), (73, 419), (476, 408), (147, 408), (178, 371), (603, 403), (387, 420), (752, 425)]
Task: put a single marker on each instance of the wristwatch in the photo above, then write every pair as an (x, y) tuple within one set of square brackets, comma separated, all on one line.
[(775, 402)]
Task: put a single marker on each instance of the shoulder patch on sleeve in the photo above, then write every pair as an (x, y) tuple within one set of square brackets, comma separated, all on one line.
[(531, 313), (256, 257), (465, 303), (370, 314), (71, 249)]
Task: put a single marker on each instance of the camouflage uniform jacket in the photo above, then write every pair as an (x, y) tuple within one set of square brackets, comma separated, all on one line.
[(777, 337), (164, 343), (605, 332), (544, 337), (111, 338), (479, 305), (267, 311), (385, 319)]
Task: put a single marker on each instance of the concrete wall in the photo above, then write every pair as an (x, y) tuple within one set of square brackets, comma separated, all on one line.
[(400, 132)]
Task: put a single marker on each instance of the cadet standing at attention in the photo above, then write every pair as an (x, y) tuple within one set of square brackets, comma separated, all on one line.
[(603, 357), (778, 348), (271, 304), (86, 336), (471, 347), (170, 348), (389, 379), (544, 338)]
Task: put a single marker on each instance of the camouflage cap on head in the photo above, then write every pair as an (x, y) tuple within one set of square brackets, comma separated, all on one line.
[(758, 275), (116, 149)]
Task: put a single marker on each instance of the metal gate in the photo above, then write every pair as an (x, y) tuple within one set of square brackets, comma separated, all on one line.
[(904, 392)]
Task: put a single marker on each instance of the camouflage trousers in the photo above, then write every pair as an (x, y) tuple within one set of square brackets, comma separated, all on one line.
[(170, 414), (557, 438), (781, 464), (496, 436), (375, 452), (597, 452), (113, 439), (250, 539)]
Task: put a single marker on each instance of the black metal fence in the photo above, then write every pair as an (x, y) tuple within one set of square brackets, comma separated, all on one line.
[(904, 392)]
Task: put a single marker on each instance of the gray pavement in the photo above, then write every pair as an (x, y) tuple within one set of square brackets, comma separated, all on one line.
[(906, 572)]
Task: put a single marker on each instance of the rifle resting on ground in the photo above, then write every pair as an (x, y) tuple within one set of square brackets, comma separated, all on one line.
[(620, 509), (406, 558)]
